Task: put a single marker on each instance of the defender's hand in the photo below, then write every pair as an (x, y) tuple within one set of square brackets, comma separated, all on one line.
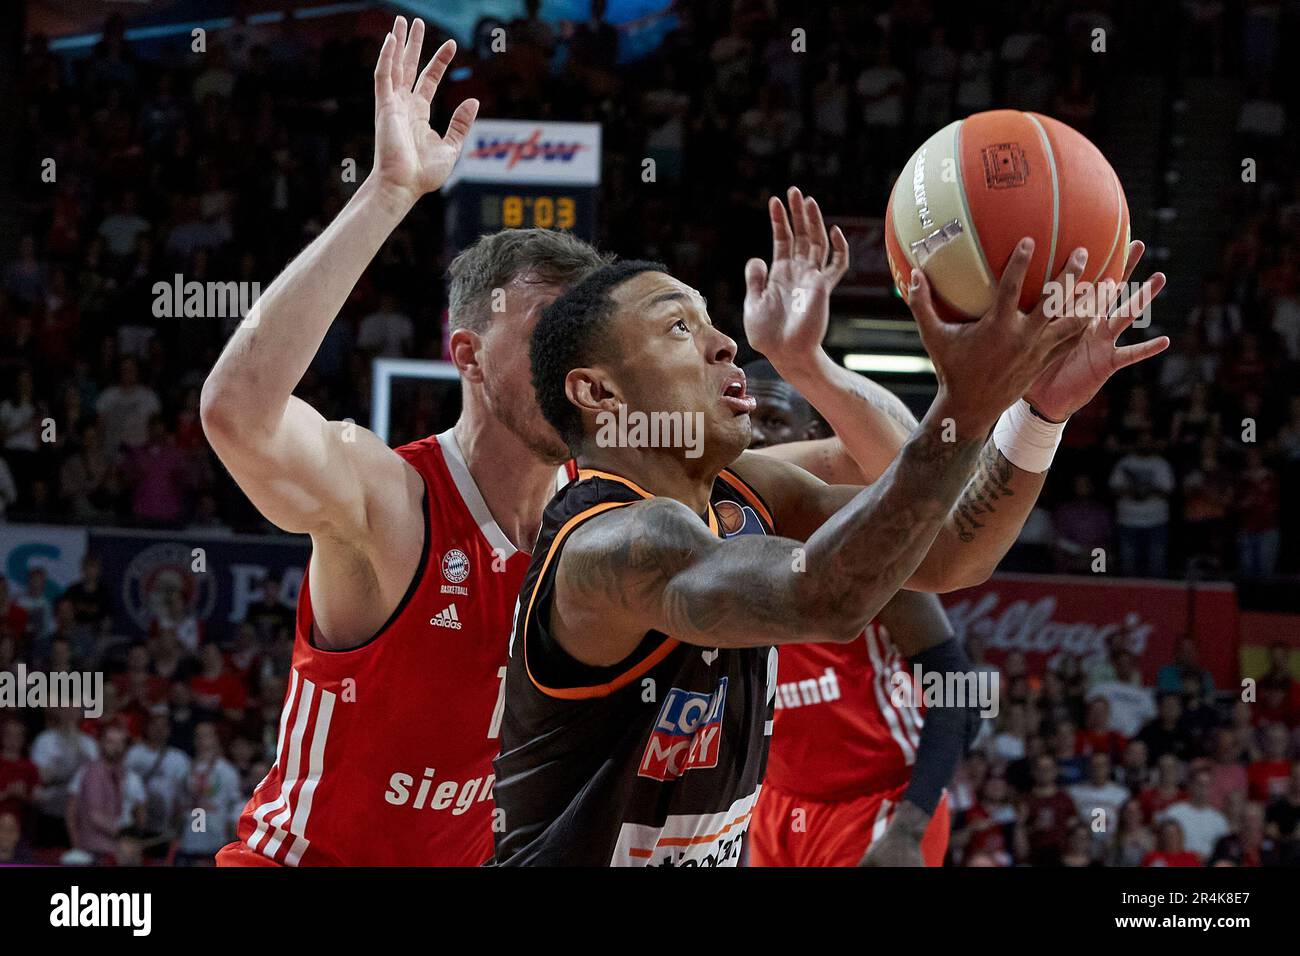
[(1072, 381), (987, 365), (410, 158), (894, 848), (787, 306)]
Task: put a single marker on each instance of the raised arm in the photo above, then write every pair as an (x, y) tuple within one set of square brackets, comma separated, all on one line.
[(654, 565), (336, 481), (870, 423), (787, 313)]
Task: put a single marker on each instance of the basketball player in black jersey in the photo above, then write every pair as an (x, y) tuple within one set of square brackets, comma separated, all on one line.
[(639, 689), (622, 744)]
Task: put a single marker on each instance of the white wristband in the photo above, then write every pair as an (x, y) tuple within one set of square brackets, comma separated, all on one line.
[(1025, 440)]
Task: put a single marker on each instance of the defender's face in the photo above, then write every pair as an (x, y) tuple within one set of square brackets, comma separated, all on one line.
[(507, 374), (669, 357), (779, 417)]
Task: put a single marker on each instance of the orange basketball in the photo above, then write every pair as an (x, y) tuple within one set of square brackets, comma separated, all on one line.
[(979, 185)]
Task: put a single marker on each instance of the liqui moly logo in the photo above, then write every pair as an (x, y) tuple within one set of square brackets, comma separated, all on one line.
[(686, 735), (513, 150)]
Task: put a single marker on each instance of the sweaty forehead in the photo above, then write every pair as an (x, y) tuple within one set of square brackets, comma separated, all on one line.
[(647, 289)]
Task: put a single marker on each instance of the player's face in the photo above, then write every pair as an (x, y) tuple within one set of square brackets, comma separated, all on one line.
[(779, 416), (507, 376), (671, 358)]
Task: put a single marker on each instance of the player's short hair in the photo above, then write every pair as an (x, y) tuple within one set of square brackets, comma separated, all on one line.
[(550, 255), (566, 338)]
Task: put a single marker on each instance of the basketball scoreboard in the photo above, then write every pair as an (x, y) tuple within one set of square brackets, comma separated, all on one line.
[(512, 174), (521, 174)]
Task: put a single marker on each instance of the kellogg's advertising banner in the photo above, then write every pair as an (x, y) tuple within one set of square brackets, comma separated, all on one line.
[(1047, 616), (217, 576)]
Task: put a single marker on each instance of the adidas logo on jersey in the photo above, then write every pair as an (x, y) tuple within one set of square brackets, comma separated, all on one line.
[(447, 617)]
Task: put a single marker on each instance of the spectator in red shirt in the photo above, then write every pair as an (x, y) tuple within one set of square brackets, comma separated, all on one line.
[(986, 824), (12, 614), (1258, 506), (1267, 776), (1279, 692), (137, 689), (217, 688), (1169, 848), (1168, 787), (1049, 814), (19, 777), (1096, 735), (1227, 773)]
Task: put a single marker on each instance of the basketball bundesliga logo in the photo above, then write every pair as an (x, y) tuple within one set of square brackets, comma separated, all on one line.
[(634, 429)]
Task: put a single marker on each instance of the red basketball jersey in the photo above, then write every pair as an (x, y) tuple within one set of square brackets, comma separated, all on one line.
[(385, 751), (837, 733)]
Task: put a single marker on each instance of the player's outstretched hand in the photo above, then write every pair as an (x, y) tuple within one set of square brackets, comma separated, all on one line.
[(787, 305), (1076, 377), (410, 158), (985, 366)]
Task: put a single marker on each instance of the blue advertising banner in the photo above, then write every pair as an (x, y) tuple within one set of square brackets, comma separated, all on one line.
[(54, 548), (217, 576)]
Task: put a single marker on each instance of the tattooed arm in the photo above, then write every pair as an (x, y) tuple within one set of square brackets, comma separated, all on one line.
[(654, 564), (974, 536)]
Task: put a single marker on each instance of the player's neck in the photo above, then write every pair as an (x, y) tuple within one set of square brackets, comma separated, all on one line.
[(514, 482), (663, 472)]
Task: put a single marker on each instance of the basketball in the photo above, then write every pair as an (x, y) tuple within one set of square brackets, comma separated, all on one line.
[(981, 184)]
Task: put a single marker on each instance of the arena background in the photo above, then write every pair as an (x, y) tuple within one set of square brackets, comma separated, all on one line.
[(129, 157)]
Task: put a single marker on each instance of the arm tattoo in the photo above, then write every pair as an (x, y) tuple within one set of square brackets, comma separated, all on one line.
[(656, 565), (882, 399), (991, 483)]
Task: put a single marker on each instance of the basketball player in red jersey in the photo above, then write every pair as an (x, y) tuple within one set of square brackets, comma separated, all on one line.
[(866, 774), (390, 721), (843, 749)]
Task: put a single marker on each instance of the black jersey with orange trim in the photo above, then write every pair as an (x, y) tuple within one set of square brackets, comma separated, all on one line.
[(655, 761)]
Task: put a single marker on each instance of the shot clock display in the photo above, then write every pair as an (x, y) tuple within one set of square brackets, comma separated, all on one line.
[(518, 211), (478, 208)]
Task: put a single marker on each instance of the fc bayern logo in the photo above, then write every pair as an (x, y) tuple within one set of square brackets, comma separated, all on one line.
[(455, 566)]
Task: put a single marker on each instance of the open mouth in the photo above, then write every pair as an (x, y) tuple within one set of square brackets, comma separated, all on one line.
[(735, 397)]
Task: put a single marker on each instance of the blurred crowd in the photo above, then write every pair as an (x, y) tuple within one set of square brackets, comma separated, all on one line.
[(1092, 764), (218, 166), (187, 726)]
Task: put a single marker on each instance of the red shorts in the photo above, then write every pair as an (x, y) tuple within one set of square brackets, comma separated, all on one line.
[(238, 854), (787, 830)]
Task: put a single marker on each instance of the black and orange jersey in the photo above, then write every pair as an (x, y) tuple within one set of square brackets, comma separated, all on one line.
[(655, 761)]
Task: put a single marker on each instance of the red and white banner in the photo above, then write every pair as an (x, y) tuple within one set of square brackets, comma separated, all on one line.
[(1047, 616)]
